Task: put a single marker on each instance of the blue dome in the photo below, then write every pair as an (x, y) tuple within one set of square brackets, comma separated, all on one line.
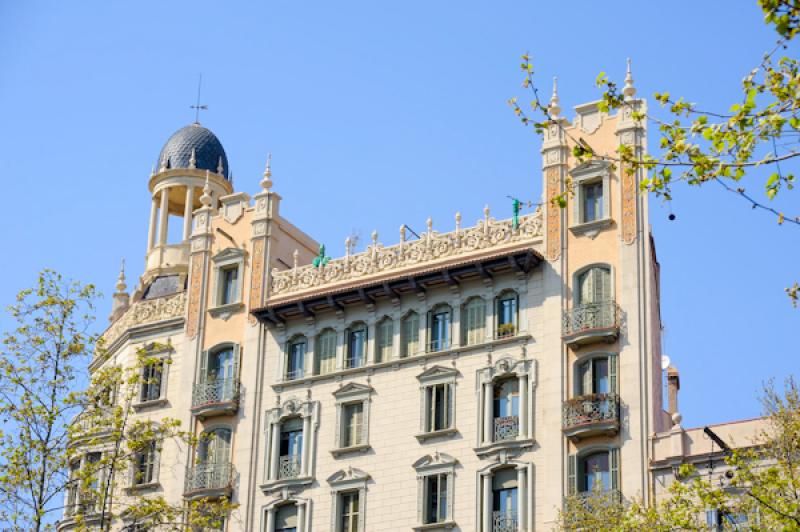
[(177, 152)]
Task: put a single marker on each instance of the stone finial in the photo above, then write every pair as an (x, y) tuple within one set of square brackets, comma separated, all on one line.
[(296, 257), (629, 90), (554, 107), (486, 211), (429, 223), (266, 183), (153, 171), (193, 159), (347, 243), (374, 238), (220, 168), (121, 286), (403, 233), (205, 199), (458, 221), (163, 166)]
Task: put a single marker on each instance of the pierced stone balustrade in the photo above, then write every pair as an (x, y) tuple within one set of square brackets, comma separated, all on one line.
[(289, 466), (506, 428), (591, 415), (591, 322), (505, 522)]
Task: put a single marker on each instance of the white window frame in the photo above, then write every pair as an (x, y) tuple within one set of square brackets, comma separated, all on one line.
[(308, 412), (429, 378), (506, 367), (269, 512), (226, 259), (164, 356), (429, 465), (484, 494), (344, 481), (349, 394), (589, 173)]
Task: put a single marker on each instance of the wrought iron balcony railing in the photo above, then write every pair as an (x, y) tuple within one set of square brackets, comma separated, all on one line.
[(289, 466), (205, 395), (588, 415), (591, 320), (294, 374), (506, 428), (208, 477), (506, 521)]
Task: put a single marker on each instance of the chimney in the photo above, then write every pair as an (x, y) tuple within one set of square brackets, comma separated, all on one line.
[(673, 385)]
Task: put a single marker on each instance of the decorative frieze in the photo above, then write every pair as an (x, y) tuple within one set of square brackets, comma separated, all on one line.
[(553, 213), (146, 311), (432, 246)]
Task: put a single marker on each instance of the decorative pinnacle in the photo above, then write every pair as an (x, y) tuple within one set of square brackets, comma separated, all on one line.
[(193, 159), (296, 257), (153, 171), (458, 220), (266, 183), (486, 211), (374, 238), (121, 286), (629, 90), (555, 109), (403, 233), (163, 164), (429, 223), (220, 168), (205, 199)]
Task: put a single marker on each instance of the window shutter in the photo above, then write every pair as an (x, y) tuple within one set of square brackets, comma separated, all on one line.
[(448, 394), (586, 380), (614, 455), (602, 284), (286, 517), (203, 367), (612, 373), (339, 421), (236, 351), (572, 476), (586, 282)]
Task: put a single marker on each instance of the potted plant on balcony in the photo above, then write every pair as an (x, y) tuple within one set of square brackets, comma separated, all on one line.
[(506, 329)]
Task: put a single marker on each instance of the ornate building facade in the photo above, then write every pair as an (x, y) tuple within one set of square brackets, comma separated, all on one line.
[(468, 379)]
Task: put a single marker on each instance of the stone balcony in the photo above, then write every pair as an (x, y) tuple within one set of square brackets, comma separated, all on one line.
[(591, 415), (591, 322), (218, 397), (209, 480)]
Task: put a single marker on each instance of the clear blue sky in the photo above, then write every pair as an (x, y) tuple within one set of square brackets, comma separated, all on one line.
[(379, 114)]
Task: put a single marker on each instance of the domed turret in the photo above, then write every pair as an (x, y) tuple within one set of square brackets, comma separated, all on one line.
[(194, 146)]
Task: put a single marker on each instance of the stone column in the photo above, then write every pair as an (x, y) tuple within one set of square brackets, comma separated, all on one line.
[(488, 412), (307, 437), (523, 406), (271, 519), (274, 451), (301, 517), (187, 212), (522, 499), (164, 214), (455, 325), (486, 504), (151, 232)]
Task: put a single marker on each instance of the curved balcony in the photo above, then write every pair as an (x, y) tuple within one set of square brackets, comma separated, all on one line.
[(218, 397), (208, 480), (168, 256), (591, 322), (591, 415)]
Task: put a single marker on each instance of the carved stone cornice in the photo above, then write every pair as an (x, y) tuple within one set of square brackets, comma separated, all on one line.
[(146, 311)]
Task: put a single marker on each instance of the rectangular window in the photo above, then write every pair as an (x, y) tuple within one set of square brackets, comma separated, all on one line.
[(438, 407), (356, 347), (440, 330), (474, 320), (326, 352), (409, 335), (507, 316), (144, 465), (229, 279), (291, 448), (350, 505), (88, 499), (352, 424), (436, 498), (384, 339), (151, 382), (296, 359), (592, 202)]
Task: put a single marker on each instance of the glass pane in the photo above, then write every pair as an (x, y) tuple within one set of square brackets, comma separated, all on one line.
[(440, 331), (297, 355), (220, 365), (356, 348), (596, 472), (600, 376)]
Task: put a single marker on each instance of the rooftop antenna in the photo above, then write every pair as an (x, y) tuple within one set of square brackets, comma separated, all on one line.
[(197, 106)]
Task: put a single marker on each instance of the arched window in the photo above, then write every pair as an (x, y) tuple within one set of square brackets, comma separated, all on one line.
[(218, 379), (473, 319), (409, 335), (506, 313), (384, 338), (356, 346), (597, 375), (326, 352), (439, 328), (506, 409), (295, 357), (594, 286)]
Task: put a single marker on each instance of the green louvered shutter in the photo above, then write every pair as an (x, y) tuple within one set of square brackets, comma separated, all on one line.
[(572, 476), (201, 379), (612, 374), (614, 456)]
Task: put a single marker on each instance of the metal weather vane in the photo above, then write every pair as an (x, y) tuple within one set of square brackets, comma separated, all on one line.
[(198, 106)]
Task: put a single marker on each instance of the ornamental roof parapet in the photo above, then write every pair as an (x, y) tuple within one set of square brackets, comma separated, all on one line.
[(144, 312), (432, 249)]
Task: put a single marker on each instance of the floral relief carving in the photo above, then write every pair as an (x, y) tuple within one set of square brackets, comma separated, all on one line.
[(432, 246), (146, 311), (256, 277), (629, 206), (553, 214), (195, 285)]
